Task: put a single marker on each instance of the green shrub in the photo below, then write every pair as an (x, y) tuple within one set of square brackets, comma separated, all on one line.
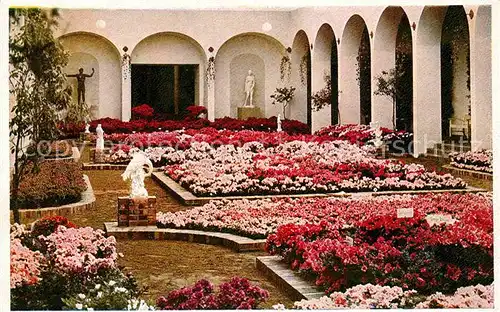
[(51, 184)]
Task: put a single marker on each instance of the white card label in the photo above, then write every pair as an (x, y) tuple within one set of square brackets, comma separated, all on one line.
[(405, 213), (349, 240)]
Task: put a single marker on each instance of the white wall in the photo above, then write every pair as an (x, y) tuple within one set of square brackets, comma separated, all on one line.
[(215, 28), (108, 71), (228, 82)]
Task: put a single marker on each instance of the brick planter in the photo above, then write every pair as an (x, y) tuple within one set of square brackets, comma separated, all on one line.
[(136, 211)]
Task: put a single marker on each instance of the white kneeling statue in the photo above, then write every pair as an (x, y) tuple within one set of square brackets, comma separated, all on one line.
[(135, 172), (279, 123), (100, 137)]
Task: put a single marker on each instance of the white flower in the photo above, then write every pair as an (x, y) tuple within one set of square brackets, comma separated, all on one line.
[(79, 306), (111, 283), (99, 294), (97, 286), (81, 296)]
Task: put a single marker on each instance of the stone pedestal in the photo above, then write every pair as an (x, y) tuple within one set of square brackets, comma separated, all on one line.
[(98, 156), (136, 211), (248, 112)]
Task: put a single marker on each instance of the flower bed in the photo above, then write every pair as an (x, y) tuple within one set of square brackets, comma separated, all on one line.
[(294, 168), (235, 294), (53, 265), (478, 160), (259, 218), (384, 297), (112, 126), (367, 243), (398, 141), (56, 183)]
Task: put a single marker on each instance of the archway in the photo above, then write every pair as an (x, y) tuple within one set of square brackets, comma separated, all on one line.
[(455, 71), (393, 55), (168, 73), (325, 71), (300, 106), (355, 70), (258, 52), (103, 89)]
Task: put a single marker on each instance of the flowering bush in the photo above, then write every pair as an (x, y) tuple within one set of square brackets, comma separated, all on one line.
[(56, 183), (235, 294), (407, 252), (478, 160), (25, 265), (111, 126), (143, 111), (362, 134), (471, 297), (109, 295), (48, 225), (53, 262), (80, 251), (194, 112), (366, 296), (385, 297), (294, 167)]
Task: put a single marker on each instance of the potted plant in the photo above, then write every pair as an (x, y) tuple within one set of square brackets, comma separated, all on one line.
[(283, 96)]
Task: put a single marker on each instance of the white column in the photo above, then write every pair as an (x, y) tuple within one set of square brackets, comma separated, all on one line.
[(210, 81), (383, 59), (126, 90), (480, 79), (427, 80)]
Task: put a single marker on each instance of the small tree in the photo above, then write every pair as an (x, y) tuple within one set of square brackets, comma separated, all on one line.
[(386, 84), (38, 83), (283, 96), (323, 97)]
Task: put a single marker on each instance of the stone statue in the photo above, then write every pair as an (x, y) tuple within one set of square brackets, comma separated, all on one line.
[(249, 86), (279, 123), (378, 142), (135, 173), (80, 77), (87, 128), (100, 137)]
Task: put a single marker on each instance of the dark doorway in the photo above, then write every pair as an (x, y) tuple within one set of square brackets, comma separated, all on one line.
[(455, 51), (334, 80), (309, 86), (364, 78), (404, 76), (169, 89)]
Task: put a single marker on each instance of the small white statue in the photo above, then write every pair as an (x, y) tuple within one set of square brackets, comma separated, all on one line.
[(249, 86), (378, 142), (135, 173), (87, 128), (100, 137), (279, 123)]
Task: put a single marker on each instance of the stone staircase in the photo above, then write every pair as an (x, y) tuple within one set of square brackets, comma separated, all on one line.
[(443, 149)]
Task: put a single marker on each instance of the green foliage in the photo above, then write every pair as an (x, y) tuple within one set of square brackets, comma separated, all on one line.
[(283, 96), (323, 97), (37, 83)]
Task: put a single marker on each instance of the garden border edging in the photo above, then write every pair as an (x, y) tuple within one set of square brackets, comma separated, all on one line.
[(189, 199), (87, 202), (151, 232)]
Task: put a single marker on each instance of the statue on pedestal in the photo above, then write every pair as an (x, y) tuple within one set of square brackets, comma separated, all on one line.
[(135, 173), (100, 137), (279, 123), (80, 77), (249, 86)]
